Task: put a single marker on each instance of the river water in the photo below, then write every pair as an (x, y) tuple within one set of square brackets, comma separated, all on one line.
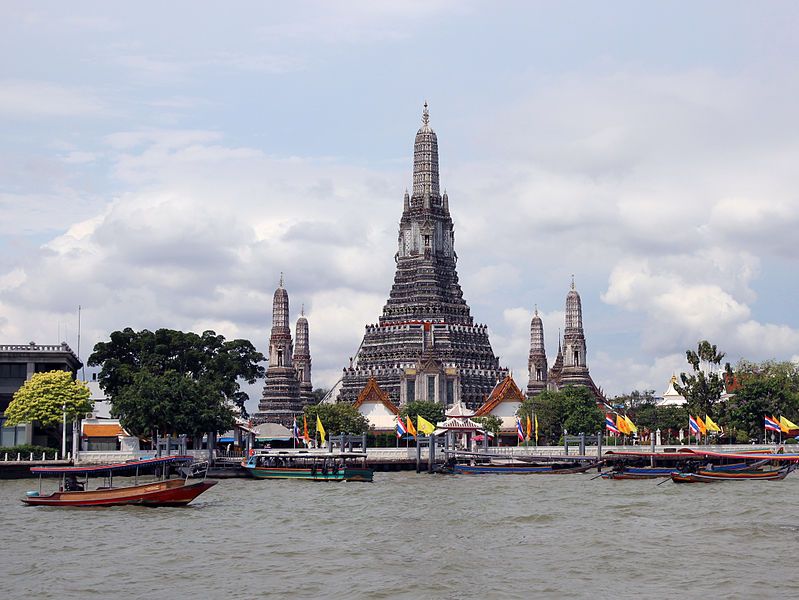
[(411, 536)]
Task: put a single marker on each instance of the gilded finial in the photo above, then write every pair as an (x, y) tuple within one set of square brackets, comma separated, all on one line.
[(425, 114)]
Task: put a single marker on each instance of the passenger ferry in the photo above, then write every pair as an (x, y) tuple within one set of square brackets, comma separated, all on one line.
[(306, 464)]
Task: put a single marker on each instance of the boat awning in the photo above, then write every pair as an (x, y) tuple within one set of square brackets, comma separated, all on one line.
[(126, 466), (687, 454)]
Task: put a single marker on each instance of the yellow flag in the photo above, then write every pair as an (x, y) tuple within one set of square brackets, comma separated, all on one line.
[(536, 429), (630, 425), (786, 426), (320, 428), (409, 426), (529, 428), (425, 426), (621, 425), (711, 425)]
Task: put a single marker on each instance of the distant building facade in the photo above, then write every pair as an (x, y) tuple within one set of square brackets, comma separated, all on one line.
[(20, 362)]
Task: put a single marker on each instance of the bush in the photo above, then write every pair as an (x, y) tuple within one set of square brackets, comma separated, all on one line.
[(26, 449), (791, 441), (741, 437)]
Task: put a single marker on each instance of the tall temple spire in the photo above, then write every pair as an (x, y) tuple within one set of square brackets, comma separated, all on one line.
[(425, 159), (281, 395), (302, 358), (537, 360), (426, 345)]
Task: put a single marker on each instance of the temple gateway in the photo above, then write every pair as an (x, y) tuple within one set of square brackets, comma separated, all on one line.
[(425, 345)]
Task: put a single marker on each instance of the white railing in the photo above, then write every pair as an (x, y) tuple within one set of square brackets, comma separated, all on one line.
[(33, 456)]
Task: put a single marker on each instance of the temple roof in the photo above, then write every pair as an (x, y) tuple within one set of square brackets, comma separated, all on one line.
[(505, 391), (372, 393)]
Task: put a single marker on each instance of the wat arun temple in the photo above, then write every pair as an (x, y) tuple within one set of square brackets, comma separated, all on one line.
[(426, 344)]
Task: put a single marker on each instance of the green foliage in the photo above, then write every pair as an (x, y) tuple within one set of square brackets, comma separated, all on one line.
[(173, 381), (318, 394), (766, 388), (26, 449), (573, 408), (704, 387), (491, 423), (432, 411), (45, 397), (336, 418)]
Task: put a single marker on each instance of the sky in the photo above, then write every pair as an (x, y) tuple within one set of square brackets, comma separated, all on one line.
[(162, 163)]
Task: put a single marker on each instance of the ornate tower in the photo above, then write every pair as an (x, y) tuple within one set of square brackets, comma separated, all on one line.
[(426, 345), (302, 359), (281, 396), (575, 369), (537, 361)]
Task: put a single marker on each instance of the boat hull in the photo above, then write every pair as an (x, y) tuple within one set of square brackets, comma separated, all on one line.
[(519, 469), (307, 473), (712, 476), (172, 492)]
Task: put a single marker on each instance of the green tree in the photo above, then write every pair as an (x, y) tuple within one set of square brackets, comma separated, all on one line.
[(703, 388), (573, 408), (762, 388), (319, 394), (174, 381), (341, 417), (45, 397), (490, 423), (432, 411)]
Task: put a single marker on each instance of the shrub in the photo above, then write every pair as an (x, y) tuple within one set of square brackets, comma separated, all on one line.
[(26, 449)]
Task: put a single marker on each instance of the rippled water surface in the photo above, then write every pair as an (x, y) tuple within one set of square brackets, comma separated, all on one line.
[(407, 535)]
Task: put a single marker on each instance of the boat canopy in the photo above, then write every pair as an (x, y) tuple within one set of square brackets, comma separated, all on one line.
[(126, 466)]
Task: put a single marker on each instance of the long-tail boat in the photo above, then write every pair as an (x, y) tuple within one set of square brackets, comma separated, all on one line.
[(626, 472), (163, 492), (310, 465), (525, 469), (713, 476)]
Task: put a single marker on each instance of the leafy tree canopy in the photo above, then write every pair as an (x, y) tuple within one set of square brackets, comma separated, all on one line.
[(763, 388), (491, 423), (341, 417), (432, 411), (45, 397), (573, 408), (175, 381), (703, 388)]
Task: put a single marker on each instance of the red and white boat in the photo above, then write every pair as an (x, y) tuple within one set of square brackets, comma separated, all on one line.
[(164, 492)]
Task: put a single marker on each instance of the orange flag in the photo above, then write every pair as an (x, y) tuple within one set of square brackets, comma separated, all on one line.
[(409, 426), (702, 426)]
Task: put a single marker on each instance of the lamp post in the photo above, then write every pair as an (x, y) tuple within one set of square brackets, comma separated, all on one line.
[(64, 431)]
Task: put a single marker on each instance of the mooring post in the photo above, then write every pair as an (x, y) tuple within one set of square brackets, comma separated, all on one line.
[(432, 458), (565, 442), (599, 450), (418, 453), (582, 443), (652, 458)]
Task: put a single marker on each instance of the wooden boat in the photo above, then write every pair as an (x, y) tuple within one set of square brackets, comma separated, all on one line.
[(713, 476), (524, 469), (661, 472), (309, 465), (165, 492)]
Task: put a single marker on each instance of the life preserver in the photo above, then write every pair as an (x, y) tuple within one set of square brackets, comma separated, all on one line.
[(252, 451)]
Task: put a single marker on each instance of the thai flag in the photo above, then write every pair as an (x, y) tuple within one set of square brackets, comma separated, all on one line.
[(771, 424), (401, 428), (610, 424), (693, 425), (296, 429), (519, 430)]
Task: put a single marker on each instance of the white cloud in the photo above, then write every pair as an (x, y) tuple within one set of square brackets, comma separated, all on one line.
[(32, 99)]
